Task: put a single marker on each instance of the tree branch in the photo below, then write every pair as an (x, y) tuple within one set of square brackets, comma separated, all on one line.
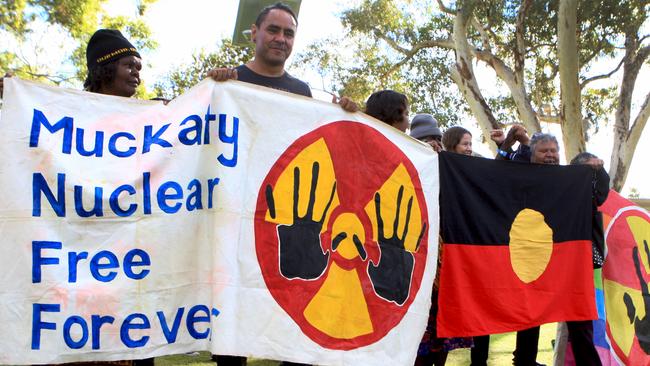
[(640, 120), (56, 79), (642, 54), (445, 9), (391, 42), (485, 39), (538, 46), (409, 54), (397, 66), (570, 112), (603, 76), (595, 52), (520, 49), (517, 87), (549, 119), (625, 144), (443, 43)]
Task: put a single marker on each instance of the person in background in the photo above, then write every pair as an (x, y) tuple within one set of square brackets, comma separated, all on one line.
[(581, 333), (599, 195), (457, 140), (543, 149), (517, 133), (433, 350), (425, 128), (389, 107), (273, 33), (114, 66), (7, 75)]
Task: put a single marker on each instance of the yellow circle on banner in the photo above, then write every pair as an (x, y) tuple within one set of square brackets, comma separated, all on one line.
[(531, 245)]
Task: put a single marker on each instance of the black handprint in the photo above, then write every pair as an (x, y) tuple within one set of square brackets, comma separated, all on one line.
[(355, 239), (641, 326), (301, 253), (391, 277)]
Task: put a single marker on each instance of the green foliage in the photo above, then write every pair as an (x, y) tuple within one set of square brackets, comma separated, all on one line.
[(76, 20), (596, 105), (185, 76), (136, 30), (634, 194), (393, 48), (79, 17), (424, 78), (11, 16)]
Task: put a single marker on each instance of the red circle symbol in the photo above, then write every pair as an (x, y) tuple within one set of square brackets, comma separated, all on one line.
[(340, 234), (626, 274)]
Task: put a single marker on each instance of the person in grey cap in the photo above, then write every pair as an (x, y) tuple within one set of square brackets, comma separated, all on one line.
[(425, 128)]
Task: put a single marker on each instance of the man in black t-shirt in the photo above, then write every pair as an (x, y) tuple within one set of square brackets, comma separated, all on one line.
[(285, 82), (273, 34)]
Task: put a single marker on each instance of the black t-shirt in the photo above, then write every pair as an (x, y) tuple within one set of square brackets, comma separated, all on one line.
[(285, 82)]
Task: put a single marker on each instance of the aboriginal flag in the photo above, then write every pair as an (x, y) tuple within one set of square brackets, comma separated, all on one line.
[(517, 245)]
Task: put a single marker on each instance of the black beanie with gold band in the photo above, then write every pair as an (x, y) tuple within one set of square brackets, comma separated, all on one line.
[(107, 45)]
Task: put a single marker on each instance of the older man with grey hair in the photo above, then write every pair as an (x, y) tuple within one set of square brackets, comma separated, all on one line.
[(543, 148)]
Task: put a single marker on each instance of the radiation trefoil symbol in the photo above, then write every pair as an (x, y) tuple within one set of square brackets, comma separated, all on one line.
[(626, 274), (340, 234)]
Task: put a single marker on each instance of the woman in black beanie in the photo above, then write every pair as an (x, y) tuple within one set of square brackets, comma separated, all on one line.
[(113, 69), (113, 64)]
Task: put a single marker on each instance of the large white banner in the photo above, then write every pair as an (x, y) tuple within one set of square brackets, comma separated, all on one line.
[(235, 219)]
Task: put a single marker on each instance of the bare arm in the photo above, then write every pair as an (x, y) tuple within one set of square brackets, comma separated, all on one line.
[(346, 103), (223, 74), (7, 75)]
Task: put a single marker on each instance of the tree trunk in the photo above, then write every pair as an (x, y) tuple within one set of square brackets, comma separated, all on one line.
[(462, 72), (517, 89), (573, 133), (626, 139)]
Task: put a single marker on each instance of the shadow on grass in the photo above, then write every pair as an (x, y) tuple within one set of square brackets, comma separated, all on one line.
[(203, 359), (501, 347)]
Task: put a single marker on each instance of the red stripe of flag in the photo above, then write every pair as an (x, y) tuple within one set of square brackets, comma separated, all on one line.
[(481, 294)]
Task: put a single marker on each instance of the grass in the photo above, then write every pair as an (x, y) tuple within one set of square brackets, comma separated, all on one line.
[(501, 347), (203, 359)]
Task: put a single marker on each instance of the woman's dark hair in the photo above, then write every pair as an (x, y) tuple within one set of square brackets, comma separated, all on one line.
[(452, 137), (387, 106), (100, 75)]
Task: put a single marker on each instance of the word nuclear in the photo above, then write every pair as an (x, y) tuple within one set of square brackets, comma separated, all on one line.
[(168, 197)]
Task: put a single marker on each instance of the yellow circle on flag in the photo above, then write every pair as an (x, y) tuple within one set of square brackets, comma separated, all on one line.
[(531, 245)]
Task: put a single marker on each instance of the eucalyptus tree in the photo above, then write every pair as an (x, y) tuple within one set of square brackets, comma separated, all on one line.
[(183, 77), (73, 20), (547, 56)]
